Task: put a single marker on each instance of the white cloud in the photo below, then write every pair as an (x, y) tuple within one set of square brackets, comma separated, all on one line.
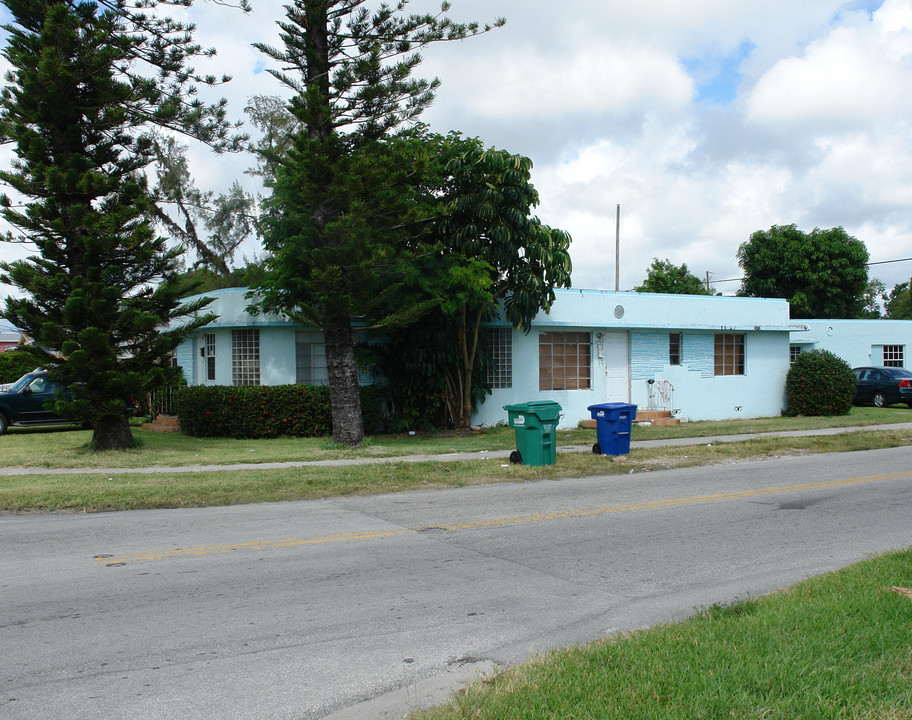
[(847, 79), (529, 85), (597, 93)]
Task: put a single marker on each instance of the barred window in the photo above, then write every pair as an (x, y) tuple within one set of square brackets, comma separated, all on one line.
[(674, 348), (893, 355), (310, 358), (564, 361), (499, 357), (794, 352), (245, 357), (729, 354)]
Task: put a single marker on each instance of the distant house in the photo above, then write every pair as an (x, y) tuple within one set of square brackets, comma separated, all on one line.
[(858, 342), (10, 340), (701, 357)]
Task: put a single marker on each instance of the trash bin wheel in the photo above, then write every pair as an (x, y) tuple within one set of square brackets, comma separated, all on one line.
[(516, 457), (596, 449)]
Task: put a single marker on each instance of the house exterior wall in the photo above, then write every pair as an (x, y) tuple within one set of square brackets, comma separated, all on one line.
[(628, 335), (277, 341), (646, 320), (858, 342)]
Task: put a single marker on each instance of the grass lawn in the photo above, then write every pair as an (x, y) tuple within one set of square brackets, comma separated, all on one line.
[(833, 647), (67, 447), (112, 490)]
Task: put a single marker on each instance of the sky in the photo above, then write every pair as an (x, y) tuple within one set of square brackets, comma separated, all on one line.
[(704, 121)]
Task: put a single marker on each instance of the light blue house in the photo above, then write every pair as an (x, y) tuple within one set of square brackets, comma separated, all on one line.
[(700, 357), (858, 342)]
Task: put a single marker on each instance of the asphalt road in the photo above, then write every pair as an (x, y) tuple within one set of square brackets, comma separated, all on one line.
[(360, 607)]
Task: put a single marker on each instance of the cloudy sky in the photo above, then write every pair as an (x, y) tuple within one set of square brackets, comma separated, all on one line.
[(704, 120)]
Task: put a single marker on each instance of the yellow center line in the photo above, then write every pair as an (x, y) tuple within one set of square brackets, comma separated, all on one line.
[(490, 522)]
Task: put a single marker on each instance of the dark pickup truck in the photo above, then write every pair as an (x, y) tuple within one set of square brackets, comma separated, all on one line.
[(23, 403)]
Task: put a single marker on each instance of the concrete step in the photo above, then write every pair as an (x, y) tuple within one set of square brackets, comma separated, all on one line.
[(651, 414), (163, 423)]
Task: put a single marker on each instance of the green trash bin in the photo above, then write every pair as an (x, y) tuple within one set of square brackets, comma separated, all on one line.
[(535, 424)]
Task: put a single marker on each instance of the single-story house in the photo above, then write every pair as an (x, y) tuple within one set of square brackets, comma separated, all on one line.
[(858, 342), (699, 357)]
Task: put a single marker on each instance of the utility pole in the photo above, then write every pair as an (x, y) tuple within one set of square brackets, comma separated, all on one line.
[(617, 250)]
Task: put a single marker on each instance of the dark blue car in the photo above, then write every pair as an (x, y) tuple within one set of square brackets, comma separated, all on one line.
[(882, 386)]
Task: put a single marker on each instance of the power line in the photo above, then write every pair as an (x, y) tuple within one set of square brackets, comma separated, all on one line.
[(879, 262)]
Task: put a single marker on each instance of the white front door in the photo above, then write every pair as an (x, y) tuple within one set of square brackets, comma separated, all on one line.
[(617, 374)]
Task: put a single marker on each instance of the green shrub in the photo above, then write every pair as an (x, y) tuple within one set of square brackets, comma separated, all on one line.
[(819, 383), (14, 364), (265, 411)]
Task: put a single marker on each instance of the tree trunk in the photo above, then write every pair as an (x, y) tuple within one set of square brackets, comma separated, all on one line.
[(344, 392), (112, 433), (467, 351)]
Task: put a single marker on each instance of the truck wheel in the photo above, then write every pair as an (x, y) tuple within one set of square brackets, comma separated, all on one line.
[(516, 458), (596, 449)]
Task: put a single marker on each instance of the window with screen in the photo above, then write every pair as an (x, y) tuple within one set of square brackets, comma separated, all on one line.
[(729, 354), (564, 361), (894, 355)]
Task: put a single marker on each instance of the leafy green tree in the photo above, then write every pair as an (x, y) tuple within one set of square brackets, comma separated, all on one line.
[(664, 277), (501, 256), (491, 255), (899, 302), (184, 211), (875, 299), (14, 364), (339, 225), (203, 280), (270, 115), (78, 106), (823, 274)]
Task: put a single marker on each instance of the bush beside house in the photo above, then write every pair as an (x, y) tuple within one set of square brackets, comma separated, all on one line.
[(13, 365), (266, 411), (819, 383)]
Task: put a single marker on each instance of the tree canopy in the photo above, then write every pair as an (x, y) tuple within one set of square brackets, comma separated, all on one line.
[(899, 302), (665, 277), (87, 82), (339, 224), (822, 274)]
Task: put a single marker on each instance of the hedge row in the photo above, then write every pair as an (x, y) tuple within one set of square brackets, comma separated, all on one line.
[(13, 365), (266, 411)]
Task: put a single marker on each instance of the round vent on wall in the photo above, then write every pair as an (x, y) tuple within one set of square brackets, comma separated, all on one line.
[(619, 311)]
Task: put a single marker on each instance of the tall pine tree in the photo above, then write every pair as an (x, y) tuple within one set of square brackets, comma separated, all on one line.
[(337, 224), (78, 108)]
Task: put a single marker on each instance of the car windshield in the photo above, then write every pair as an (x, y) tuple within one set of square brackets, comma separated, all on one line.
[(900, 372), (22, 382)]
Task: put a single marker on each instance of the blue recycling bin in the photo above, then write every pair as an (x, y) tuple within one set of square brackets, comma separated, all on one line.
[(613, 422)]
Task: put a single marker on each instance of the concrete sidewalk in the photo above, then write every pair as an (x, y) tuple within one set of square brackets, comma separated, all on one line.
[(447, 457)]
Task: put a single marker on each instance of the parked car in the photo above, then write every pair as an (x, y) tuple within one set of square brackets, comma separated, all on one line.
[(882, 386), (23, 403)]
